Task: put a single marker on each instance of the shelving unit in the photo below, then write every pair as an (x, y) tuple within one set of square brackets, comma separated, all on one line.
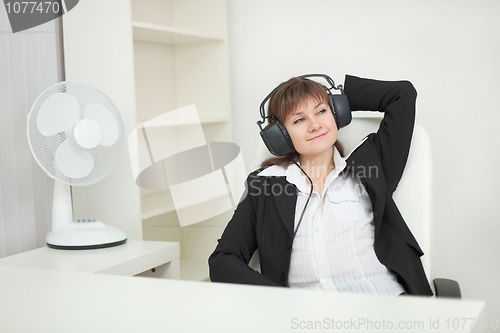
[(156, 33), (181, 58)]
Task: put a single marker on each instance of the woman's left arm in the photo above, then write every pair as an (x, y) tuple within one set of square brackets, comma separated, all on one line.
[(392, 140)]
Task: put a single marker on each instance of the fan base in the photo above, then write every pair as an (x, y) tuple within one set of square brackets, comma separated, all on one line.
[(85, 236)]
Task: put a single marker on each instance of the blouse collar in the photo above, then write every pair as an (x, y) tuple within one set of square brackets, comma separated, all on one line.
[(294, 176)]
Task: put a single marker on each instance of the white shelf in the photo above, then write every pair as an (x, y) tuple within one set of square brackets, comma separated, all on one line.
[(154, 33), (157, 204), (170, 123), (162, 203)]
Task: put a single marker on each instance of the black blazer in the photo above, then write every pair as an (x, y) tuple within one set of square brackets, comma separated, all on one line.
[(265, 221)]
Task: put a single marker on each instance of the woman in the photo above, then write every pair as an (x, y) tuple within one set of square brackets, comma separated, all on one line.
[(351, 237)]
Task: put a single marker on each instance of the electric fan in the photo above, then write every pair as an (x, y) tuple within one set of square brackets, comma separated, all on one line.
[(76, 135)]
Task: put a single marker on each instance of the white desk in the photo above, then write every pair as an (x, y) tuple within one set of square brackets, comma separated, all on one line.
[(131, 258), (33, 300)]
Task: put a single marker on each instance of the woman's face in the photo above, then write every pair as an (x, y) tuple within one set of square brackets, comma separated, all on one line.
[(312, 128)]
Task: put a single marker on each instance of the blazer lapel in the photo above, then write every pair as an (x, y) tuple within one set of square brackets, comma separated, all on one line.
[(285, 201), (360, 162)]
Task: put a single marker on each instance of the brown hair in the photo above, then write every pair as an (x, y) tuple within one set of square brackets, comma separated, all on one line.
[(289, 96)]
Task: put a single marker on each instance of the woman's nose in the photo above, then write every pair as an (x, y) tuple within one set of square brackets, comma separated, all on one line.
[(314, 124)]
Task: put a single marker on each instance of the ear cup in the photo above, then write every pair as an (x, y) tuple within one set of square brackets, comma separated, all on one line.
[(333, 108), (342, 110), (277, 139)]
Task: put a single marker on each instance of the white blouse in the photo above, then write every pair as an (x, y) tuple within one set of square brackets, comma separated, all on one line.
[(333, 249)]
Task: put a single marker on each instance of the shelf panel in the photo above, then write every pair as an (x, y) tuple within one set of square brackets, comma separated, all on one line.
[(204, 120), (158, 204), (154, 33), (162, 203)]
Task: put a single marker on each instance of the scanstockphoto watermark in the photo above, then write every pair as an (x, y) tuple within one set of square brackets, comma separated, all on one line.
[(28, 14), (355, 324), (363, 323)]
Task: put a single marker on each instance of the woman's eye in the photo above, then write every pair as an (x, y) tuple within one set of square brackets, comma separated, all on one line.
[(298, 120), (322, 111)]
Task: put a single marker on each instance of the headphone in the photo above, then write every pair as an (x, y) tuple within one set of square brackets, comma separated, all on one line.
[(275, 135)]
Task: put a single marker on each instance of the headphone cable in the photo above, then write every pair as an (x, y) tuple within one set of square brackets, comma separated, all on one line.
[(307, 202)]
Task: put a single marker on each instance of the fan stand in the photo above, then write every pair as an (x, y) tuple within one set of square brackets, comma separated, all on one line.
[(68, 234)]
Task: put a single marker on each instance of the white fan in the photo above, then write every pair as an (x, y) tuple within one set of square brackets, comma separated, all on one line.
[(76, 135)]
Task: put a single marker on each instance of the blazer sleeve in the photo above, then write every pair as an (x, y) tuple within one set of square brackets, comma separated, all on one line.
[(229, 261), (392, 140)]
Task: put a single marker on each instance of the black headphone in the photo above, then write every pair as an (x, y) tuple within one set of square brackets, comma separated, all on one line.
[(276, 136)]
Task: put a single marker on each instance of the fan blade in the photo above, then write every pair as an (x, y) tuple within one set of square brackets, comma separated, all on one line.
[(87, 133), (58, 113), (109, 126), (72, 162)]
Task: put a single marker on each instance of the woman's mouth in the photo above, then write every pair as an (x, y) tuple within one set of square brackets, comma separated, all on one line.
[(318, 137)]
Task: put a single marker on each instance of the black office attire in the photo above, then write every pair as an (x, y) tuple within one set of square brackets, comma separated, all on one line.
[(265, 221)]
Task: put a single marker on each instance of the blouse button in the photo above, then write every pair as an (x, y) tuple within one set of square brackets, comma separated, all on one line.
[(283, 276)]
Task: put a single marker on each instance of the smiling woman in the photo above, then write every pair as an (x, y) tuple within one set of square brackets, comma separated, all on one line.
[(352, 237), (313, 131), (292, 105)]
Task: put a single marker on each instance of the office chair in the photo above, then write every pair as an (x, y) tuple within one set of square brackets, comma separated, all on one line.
[(413, 195)]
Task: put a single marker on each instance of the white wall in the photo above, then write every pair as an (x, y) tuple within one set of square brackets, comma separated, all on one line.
[(450, 51), (30, 62)]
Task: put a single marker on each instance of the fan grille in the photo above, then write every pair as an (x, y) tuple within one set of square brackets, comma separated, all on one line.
[(44, 147)]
